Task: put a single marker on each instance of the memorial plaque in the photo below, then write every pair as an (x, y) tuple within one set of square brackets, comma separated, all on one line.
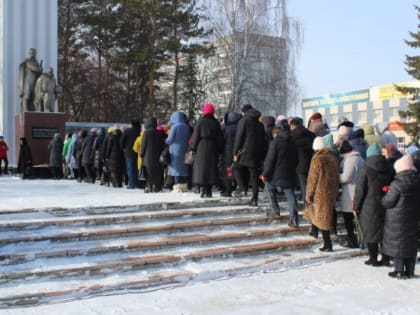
[(43, 132)]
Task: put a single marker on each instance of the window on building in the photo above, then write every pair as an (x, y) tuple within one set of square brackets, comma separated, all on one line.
[(361, 116), (333, 119), (394, 114), (348, 116), (377, 115)]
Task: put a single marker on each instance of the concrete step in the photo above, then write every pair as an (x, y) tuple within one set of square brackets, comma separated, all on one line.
[(145, 261), (60, 290), (89, 233), (27, 254)]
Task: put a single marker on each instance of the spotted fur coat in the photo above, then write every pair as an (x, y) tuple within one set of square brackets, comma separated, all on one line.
[(322, 189)]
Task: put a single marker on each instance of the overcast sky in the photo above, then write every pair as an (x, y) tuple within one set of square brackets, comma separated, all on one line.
[(351, 45)]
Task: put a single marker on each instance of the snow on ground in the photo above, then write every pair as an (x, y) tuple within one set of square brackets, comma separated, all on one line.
[(345, 286)]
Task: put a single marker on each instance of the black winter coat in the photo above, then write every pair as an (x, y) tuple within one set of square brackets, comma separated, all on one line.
[(55, 147), (208, 144), (127, 141), (250, 142), (114, 153), (375, 174), (303, 139), (151, 147), (402, 215), (229, 137), (25, 156), (281, 161), (88, 151)]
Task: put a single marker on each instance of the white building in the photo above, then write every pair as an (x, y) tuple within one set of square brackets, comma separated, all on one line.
[(24, 24), (259, 65)]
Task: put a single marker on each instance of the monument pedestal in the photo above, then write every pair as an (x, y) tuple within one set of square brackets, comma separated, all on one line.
[(39, 129)]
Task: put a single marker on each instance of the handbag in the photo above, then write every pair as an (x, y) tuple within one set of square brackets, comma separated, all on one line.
[(189, 157), (165, 157)]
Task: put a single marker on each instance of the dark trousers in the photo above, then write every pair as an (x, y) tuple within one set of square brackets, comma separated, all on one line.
[(6, 165), (349, 223), (241, 176), (406, 265)]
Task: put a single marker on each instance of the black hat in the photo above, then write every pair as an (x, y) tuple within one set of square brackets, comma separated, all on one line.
[(346, 123), (246, 108), (345, 147)]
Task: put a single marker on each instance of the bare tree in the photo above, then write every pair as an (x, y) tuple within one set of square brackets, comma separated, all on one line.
[(256, 49)]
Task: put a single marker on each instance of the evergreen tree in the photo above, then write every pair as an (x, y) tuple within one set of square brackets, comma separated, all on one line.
[(412, 114)]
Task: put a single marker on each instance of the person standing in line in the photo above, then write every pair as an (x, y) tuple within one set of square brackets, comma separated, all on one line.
[(207, 143), (115, 158), (280, 171), (303, 138), (351, 165), (249, 151), (127, 141), (3, 156), (322, 190), (55, 147), (70, 159), (316, 125), (229, 132), (374, 176), (88, 159), (25, 162), (65, 166), (78, 154), (151, 147), (178, 137), (402, 215)]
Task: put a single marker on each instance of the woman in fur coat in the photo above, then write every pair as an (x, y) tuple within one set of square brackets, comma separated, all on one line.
[(322, 190)]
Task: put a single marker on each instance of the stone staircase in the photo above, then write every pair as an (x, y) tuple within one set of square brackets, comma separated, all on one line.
[(54, 255)]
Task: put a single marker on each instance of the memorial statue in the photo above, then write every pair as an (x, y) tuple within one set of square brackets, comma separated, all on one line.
[(29, 71), (46, 91)]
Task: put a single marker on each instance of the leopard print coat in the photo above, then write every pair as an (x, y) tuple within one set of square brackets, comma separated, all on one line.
[(322, 189)]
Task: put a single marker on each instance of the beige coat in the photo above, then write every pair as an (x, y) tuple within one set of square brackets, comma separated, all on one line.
[(322, 189)]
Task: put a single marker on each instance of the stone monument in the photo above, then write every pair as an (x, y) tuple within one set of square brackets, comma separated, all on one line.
[(38, 122)]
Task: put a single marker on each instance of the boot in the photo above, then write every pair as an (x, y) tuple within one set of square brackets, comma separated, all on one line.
[(314, 231), (327, 247), (373, 255)]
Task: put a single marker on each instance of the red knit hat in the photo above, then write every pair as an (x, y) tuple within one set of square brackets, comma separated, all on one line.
[(316, 116), (208, 109)]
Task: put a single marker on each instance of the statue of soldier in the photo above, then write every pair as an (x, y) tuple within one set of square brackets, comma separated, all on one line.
[(29, 71), (46, 90)]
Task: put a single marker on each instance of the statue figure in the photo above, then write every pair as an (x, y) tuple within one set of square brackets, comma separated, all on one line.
[(29, 71), (46, 91)]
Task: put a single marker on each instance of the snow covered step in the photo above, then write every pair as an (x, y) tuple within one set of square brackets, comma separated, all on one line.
[(26, 254), (60, 290), (24, 223), (86, 233), (144, 261), (164, 205)]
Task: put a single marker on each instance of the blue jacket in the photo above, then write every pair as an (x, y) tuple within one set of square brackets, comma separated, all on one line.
[(178, 144)]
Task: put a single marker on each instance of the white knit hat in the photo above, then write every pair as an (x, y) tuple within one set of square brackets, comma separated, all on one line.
[(404, 164), (318, 143)]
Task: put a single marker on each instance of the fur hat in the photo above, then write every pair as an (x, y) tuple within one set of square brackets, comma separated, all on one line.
[(316, 116), (246, 108), (404, 164), (345, 147), (373, 150), (208, 109), (318, 143)]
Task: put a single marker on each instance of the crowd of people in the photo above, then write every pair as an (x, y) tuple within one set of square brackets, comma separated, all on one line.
[(360, 173)]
